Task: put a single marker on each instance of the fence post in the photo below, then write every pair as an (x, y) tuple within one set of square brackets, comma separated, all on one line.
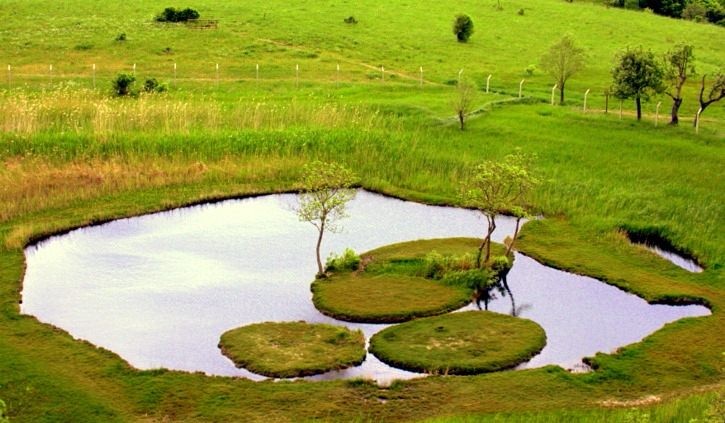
[(382, 72), (94, 76), (552, 93), (337, 75), (134, 70), (460, 72), (10, 76), (297, 75), (657, 114), (217, 75), (51, 74), (256, 74), (697, 120), (620, 109), (488, 81), (421, 76), (586, 94), (174, 74), (521, 87)]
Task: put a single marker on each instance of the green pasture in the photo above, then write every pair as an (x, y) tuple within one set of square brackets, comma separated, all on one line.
[(71, 155)]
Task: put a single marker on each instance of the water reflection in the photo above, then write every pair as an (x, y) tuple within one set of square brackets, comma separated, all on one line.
[(160, 289)]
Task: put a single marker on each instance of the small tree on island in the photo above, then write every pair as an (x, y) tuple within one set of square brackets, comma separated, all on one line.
[(326, 190), (496, 186), (562, 61), (637, 75), (463, 27), (463, 102), (677, 69)]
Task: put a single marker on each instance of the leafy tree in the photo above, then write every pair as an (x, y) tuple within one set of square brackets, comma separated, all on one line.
[(671, 8), (463, 102), (123, 83), (677, 69), (326, 190), (171, 14), (495, 186), (637, 74), (563, 60), (717, 92), (463, 27)]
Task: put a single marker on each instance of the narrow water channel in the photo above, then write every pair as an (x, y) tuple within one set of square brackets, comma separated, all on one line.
[(160, 289)]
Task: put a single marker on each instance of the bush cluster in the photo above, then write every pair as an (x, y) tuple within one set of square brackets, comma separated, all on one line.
[(697, 10), (123, 85), (435, 265), (347, 261), (171, 14)]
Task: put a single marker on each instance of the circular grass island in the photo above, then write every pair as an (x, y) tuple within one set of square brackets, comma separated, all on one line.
[(293, 349), (392, 286), (463, 343)]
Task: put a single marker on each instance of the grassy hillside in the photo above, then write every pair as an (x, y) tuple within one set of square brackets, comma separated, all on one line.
[(71, 155)]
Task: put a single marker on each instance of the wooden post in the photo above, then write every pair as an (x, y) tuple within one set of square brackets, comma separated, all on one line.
[(217, 75), (94, 76), (421, 76), (51, 74), (174, 74), (606, 102), (256, 75), (552, 93), (586, 94), (697, 120), (382, 72), (488, 81), (10, 76), (337, 75), (521, 87), (657, 114), (297, 75), (134, 69), (460, 72), (620, 109)]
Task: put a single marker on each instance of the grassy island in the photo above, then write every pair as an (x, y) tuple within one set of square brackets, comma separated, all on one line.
[(393, 286), (293, 349), (463, 343)]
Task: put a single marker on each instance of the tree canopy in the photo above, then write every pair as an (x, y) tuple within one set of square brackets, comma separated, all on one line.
[(637, 75), (562, 61)]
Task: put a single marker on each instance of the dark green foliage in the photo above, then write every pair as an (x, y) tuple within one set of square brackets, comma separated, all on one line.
[(151, 85), (121, 37), (171, 14), (637, 75), (123, 83), (350, 20), (463, 28), (348, 261)]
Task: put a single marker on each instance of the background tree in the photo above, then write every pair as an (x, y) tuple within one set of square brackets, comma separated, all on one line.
[(463, 27), (326, 190), (463, 102), (563, 60), (495, 186), (717, 92), (123, 83), (677, 69), (637, 75)]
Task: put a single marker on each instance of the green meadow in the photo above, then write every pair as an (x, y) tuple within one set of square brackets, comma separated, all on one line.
[(71, 154)]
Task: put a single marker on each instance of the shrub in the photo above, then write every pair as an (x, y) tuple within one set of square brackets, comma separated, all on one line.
[(123, 83), (171, 14), (530, 70), (121, 37), (348, 261), (153, 86), (436, 266), (463, 28), (474, 279), (350, 20)]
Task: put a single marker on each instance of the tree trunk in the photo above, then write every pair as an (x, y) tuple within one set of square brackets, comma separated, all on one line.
[(513, 239), (561, 94), (486, 242), (639, 107), (491, 228), (461, 119), (320, 270), (606, 103), (676, 103)]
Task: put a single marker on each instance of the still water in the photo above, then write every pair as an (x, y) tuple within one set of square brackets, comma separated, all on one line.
[(160, 289)]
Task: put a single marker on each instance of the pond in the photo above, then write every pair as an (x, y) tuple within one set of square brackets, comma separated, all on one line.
[(160, 289)]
